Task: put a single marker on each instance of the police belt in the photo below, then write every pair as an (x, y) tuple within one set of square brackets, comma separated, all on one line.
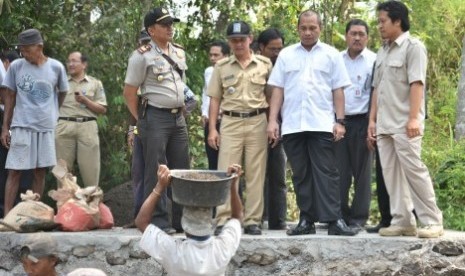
[(244, 114), (170, 110), (78, 119)]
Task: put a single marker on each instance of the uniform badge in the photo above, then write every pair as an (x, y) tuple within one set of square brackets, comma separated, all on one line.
[(164, 11), (160, 78), (231, 90)]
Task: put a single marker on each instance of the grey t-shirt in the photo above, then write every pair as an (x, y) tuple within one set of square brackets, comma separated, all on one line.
[(37, 90)]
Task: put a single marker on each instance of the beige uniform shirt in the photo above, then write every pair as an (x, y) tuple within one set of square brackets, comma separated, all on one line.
[(90, 87), (397, 66), (240, 89), (159, 82)]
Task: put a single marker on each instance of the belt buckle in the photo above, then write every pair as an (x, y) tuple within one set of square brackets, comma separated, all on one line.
[(244, 115), (174, 110), (79, 120)]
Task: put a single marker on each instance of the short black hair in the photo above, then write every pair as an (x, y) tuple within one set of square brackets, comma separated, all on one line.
[(223, 45), (357, 22), (396, 10), (310, 13), (268, 35), (9, 55), (84, 58)]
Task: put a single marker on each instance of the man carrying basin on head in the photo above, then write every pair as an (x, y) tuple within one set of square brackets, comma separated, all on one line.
[(200, 253)]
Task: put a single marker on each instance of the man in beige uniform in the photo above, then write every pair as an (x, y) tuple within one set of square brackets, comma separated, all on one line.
[(397, 122), (77, 132), (237, 86)]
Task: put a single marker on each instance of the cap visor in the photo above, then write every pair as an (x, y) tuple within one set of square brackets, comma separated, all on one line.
[(238, 35), (168, 20)]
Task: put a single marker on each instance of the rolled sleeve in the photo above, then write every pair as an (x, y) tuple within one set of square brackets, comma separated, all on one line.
[(157, 243)]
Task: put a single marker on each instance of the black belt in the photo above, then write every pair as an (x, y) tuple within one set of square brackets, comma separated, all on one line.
[(78, 119), (356, 116), (170, 110), (244, 114)]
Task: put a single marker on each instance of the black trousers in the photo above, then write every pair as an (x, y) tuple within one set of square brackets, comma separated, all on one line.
[(164, 141), (212, 154), (354, 161), (314, 175), (275, 210), (382, 194)]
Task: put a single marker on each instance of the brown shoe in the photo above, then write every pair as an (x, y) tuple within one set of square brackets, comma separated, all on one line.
[(396, 230)]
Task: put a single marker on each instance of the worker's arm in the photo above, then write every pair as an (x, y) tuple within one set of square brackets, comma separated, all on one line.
[(236, 203)]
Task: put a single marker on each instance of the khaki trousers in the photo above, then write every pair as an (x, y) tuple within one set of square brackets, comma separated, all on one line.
[(80, 141), (407, 181), (244, 138)]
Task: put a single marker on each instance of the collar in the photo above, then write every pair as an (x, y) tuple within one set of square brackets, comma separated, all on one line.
[(399, 40), (233, 59), (158, 50), (317, 45), (345, 53), (198, 238), (86, 78)]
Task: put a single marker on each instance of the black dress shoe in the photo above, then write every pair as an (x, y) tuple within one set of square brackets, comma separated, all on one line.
[(340, 228), (375, 229), (252, 229), (303, 228), (218, 230)]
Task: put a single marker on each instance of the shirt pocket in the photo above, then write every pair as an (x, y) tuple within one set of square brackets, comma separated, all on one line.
[(258, 82), (230, 83), (396, 71)]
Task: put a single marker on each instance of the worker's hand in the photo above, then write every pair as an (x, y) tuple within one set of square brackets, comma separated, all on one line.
[(236, 169), (164, 176)]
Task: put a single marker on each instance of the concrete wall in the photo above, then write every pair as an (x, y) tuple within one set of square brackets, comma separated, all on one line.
[(117, 253)]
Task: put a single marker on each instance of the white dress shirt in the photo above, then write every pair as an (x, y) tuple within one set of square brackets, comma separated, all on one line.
[(308, 79), (357, 95), (206, 99), (191, 257)]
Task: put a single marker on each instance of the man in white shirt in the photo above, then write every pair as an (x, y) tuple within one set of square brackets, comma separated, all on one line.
[(218, 50), (353, 157), (201, 253), (312, 76)]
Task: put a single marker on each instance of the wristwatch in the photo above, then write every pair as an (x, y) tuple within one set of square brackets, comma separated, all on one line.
[(341, 121)]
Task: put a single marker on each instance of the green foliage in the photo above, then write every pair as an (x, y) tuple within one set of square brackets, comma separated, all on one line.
[(107, 32)]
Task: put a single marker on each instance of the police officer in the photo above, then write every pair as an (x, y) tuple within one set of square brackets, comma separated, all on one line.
[(159, 72), (76, 134), (237, 86)]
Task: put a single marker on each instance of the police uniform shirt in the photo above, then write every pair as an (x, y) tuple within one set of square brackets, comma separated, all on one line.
[(240, 89), (159, 82), (91, 88), (397, 66)]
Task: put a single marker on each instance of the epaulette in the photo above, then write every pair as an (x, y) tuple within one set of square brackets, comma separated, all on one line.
[(144, 48), (222, 61), (263, 58), (178, 46)]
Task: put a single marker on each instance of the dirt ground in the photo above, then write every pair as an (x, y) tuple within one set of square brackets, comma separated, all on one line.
[(120, 200)]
